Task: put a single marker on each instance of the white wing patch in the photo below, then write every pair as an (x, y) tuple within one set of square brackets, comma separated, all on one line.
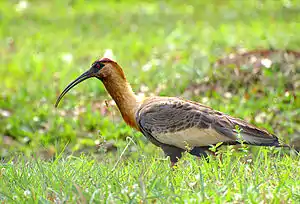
[(192, 137)]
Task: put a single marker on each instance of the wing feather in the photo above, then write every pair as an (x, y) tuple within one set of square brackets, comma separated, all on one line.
[(174, 121)]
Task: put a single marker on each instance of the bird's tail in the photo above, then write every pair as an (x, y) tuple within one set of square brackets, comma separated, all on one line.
[(296, 150), (271, 141), (260, 139)]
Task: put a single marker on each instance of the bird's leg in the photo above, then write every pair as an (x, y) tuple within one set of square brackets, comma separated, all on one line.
[(200, 152), (172, 164), (174, 153), (216, 154)]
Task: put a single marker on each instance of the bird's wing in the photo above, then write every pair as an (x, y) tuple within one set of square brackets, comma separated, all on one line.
[(184, 124)]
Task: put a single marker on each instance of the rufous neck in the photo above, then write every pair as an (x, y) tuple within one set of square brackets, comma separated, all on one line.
[(126, 100)]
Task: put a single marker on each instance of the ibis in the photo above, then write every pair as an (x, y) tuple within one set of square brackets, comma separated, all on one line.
[(173, 124)]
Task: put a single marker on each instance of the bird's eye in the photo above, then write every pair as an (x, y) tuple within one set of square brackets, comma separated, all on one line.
[(98, 65)]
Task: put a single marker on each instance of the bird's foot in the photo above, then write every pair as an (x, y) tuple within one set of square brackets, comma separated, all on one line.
[(174, 165)]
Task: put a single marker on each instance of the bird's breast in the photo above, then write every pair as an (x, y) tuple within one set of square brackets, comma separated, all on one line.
[(191, 137)]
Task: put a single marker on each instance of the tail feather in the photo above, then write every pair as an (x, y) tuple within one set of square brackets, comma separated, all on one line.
[(266, 141), (260, 140)]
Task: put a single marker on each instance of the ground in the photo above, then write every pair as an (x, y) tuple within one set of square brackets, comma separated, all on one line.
[(238, 57)]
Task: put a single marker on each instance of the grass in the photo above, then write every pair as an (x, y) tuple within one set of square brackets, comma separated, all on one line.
[(165, 48), (267, 177)]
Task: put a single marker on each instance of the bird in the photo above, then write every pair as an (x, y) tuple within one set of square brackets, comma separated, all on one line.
[(174, 124)]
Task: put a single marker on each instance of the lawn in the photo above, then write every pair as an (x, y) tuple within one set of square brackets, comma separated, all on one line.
[(83, 152)]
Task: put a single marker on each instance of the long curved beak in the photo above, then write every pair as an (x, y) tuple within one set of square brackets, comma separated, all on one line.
[(84, 76)]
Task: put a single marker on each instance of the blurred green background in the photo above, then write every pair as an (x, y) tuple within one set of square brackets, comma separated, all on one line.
[(165, 48)]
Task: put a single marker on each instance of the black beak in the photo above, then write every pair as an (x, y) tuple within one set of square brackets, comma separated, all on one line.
[(84, 76)]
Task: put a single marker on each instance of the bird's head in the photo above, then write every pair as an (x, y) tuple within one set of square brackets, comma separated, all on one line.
[(102, 69)]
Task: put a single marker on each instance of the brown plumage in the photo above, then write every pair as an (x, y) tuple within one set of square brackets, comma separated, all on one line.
[(176, 125)]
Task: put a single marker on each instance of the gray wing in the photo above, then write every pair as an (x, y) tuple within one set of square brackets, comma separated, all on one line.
[(183, 123)]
